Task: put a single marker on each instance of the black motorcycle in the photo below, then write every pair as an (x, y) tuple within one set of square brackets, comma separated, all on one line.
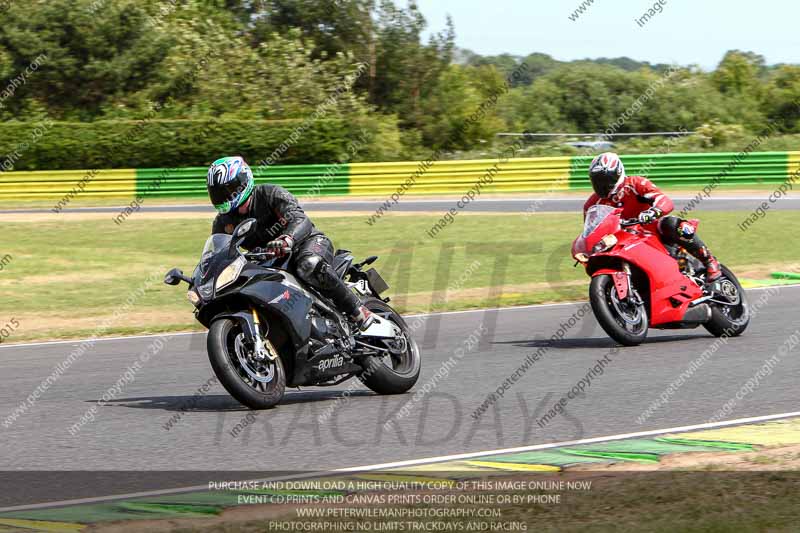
[(268, 330)]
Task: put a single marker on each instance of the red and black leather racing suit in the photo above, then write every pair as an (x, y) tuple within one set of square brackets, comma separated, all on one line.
[(635, 194)]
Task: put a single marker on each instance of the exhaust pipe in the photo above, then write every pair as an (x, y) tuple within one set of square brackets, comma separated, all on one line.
[(699, 314)]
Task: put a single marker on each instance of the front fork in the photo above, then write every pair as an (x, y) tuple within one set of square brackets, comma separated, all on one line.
[(622, 281), (251, 327), (624, 285), (261, 351)]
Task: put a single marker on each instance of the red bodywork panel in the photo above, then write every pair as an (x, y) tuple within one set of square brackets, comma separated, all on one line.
[(670, 290)]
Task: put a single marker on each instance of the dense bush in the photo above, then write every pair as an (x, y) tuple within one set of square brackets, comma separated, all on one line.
[(168, 143)]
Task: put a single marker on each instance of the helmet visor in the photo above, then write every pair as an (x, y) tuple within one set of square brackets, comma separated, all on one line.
[(223, 194), (602, 182)]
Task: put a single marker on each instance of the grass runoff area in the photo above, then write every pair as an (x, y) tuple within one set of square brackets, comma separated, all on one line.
[(78, 275)]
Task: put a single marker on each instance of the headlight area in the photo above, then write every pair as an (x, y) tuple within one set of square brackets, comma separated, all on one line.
[(230, 273), (581, 257), (193, 297), (605, 244)]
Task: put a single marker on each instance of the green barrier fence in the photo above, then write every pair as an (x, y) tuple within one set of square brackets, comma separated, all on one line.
[(384, 179), (189, 182), (696, 169)]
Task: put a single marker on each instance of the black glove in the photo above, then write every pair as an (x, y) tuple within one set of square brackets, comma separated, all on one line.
[(649, 215), (280, 246)]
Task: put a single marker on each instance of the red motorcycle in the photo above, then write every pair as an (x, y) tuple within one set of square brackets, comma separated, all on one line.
[(638, 282)]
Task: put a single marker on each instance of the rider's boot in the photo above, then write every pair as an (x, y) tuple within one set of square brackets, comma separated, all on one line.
[(713, 270), (332, 286), (697, 248), (363, 318)]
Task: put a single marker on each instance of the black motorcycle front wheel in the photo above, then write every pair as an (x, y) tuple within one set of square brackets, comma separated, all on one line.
[(258, 384), (625, 321), (396, 369)]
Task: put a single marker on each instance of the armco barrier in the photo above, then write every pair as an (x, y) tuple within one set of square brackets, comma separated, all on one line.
[(456, 177), (302, 180), (55, 185), (383, 179), (697, 170)]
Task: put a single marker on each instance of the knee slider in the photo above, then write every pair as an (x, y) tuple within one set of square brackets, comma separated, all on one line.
[(316, 271), (307, 266), (326, 275), (685, 231)]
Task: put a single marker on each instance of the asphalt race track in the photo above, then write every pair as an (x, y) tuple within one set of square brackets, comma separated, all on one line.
[(129, 433), (483, 205)]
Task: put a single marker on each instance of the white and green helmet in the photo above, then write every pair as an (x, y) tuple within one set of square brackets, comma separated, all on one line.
[(230, 183)]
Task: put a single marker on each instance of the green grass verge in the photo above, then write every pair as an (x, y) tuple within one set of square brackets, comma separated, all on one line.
[(65, 276)]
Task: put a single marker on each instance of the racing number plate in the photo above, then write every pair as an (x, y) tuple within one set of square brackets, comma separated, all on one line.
[(376, 281)]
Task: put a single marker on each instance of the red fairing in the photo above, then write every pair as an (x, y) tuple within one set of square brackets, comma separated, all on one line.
[(670, 290), (667, 283), (585, 244)]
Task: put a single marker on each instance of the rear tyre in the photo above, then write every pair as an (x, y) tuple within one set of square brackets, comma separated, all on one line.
[(622, 320), (729, 320), (397, 370), (256, 384)]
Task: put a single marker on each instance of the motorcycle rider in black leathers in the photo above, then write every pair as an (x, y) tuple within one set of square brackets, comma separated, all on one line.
[(282, 227)]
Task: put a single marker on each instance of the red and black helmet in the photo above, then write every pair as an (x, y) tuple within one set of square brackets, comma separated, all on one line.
[(604, 172)]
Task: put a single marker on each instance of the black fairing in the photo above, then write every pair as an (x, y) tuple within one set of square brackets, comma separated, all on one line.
[(265, 289), (342, 262)]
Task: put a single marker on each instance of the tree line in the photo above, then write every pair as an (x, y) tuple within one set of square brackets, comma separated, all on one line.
[(241, 69)]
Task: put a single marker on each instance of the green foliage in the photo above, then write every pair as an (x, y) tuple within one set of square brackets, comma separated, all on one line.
[(739, 72), (333, 26), (170, 143), (782, 101), (447, 114), (92, 56)]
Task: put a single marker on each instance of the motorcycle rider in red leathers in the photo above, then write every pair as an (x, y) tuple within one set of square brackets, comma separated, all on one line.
[(639, 198)]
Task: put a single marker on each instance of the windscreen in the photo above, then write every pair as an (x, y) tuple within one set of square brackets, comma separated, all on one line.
[(215, 243), (594, 216)]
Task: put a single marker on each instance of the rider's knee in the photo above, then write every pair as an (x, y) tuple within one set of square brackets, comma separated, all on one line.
[(314, 270), (685, 231), (668, 225), (307, 266), (671, 229)]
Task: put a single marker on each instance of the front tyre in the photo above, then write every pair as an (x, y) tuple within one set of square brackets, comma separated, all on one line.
[(396, 369), (625, 321), (256, 384), (730, 318)]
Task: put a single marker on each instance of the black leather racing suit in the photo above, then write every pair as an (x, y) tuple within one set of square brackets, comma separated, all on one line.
[(278, 213)]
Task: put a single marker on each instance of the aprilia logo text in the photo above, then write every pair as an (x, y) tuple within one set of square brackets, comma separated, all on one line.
[(333, 362)]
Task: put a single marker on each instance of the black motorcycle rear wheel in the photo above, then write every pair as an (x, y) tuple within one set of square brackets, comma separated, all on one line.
[(729, 320), (398, 370), (256, 384)]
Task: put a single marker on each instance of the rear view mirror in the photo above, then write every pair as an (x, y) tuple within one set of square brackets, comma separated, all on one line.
[(244, 228), (175, 276)]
